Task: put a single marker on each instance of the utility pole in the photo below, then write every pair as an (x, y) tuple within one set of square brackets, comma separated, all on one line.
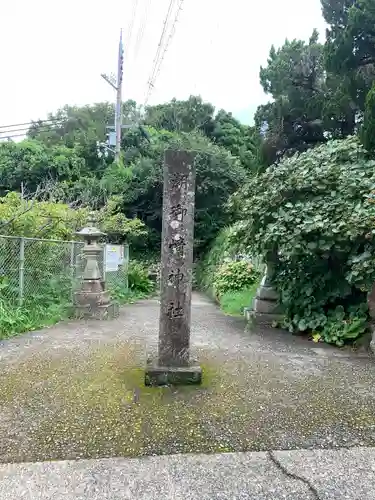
[(118, 117), (117, 85), (114, 138)]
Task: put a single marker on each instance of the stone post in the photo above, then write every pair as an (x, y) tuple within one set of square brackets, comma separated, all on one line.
[(92, 301), (173, 365)]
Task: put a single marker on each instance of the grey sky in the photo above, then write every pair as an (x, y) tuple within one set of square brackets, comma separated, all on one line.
[(52, 53)]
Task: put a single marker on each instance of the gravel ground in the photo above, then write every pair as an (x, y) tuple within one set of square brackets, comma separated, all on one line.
[(76, 391)]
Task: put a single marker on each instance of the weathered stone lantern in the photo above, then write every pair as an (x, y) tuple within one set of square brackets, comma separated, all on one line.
[(371, 307), (265, 309), (92, 301)]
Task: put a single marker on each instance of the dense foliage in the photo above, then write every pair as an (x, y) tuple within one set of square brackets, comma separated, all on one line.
[(50, 219), (223, 249), (218, 175), (39, 219), (234, 276), (313, 217), (228, 272), (65, 153)]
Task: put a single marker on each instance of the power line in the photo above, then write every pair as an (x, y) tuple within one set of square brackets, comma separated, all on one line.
[(158, 51), (171, 34), (10, 135), (130, 31), (141, 30), (36, 122), (38, 129), (159, 47), (41, 127)]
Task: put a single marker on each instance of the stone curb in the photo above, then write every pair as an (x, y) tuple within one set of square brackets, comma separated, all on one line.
[(293, 474)]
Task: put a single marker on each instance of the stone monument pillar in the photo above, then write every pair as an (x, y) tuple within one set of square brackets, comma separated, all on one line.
[(91, 301), (173, 365)]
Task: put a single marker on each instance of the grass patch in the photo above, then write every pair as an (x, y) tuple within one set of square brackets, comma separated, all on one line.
[(234, 302), (16, 319), (128, 296)]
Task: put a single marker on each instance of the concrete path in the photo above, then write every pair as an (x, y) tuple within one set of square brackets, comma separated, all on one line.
[(73, 394)]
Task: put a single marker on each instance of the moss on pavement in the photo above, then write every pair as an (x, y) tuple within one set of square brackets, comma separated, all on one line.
[(96, 405)]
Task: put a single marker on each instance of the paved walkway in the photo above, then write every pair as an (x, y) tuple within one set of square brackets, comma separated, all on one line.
[(73, 394)]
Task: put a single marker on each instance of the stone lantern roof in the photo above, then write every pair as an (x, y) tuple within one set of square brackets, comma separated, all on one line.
[(90, 232)]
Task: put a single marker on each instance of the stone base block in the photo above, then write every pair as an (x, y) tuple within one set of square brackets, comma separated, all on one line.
[(173, 375), (267, 293), (372, 343), (266, 306), (264, 319), (86, 298), (105, 311)]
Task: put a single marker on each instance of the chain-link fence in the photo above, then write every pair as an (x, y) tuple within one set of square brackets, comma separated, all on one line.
[(44, 271)]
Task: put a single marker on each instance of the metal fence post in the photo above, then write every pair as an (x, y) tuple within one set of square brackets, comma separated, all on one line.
[(21, 272), (104, 262), (72, 267), (72, 254), (126, 262)]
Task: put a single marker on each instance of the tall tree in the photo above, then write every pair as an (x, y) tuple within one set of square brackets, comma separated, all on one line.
[(181, 116), (221, 128), (294, 78), (241, 140), (350, 45)]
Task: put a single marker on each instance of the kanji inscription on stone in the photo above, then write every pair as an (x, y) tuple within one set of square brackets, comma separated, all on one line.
[(178, 180), (178, 212), (177, 258), (175, 310), (175, 276)]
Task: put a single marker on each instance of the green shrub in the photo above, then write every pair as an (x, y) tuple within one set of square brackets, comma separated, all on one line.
[(234, 276), (342, 326), (138, 278), (224, 248), (313, 216)]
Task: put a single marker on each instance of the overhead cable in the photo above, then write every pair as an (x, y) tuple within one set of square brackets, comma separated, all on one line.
[(141, 30), (171, 34), (36, 122), (158, 52)]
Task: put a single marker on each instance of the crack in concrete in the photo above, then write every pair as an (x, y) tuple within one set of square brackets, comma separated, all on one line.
[(285, 471)]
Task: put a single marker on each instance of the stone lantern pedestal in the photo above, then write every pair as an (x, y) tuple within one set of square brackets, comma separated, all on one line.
[(265, 309), (92, 301), (371, 307)]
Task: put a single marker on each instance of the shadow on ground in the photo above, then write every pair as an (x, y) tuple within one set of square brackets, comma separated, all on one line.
[(76, 391)]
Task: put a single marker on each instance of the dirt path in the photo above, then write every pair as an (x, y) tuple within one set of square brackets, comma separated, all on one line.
[(75, 390)]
